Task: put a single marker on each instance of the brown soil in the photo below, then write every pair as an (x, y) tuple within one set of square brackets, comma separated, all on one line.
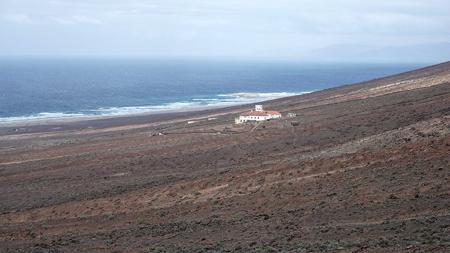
[(362, 168)]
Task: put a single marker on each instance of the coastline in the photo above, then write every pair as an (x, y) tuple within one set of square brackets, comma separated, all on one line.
[(137, 111), (138, 120), (359, 90)]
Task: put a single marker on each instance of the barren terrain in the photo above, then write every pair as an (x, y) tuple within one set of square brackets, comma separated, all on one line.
[(362, 168)]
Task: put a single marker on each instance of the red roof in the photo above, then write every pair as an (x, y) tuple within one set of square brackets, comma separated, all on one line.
[(260, 113)]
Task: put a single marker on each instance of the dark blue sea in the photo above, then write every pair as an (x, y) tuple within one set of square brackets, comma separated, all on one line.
[(52, 88)]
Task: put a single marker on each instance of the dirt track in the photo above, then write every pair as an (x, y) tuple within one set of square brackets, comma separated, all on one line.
[(362, 168)]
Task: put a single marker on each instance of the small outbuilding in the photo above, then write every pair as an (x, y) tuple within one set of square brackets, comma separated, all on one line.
[(258, 114), (291, 115)]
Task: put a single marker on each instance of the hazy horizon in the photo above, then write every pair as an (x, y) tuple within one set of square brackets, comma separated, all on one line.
[(329, 31)]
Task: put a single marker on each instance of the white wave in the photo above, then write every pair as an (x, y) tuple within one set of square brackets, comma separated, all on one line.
[(42, 116), (197, 103), (262, 94), (253, 97), (117, 111), (222, 100), (205, 99)]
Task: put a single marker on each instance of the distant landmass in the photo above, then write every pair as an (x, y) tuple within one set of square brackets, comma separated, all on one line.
[(435, 52)]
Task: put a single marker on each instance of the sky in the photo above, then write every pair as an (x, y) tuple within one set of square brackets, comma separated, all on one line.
[(402, 30)]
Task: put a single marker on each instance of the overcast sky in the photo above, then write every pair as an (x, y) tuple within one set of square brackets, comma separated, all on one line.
[(284, 29)]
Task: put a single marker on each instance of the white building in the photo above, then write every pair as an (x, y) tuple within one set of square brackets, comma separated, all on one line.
[(258, 114)]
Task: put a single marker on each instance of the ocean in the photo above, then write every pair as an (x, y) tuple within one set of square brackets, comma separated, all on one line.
[(40, 88)]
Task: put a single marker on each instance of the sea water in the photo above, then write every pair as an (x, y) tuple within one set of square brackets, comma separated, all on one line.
[(35, 88)]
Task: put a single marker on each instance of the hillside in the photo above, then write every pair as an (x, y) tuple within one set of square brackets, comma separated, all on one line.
[(362, 168)]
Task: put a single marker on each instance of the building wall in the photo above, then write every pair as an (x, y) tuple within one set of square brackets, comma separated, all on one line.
[(242, 119)]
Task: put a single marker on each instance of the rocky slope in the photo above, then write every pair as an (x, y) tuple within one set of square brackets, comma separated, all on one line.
[(362, 168)]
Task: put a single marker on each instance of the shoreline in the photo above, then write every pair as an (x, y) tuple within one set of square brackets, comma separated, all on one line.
[(354, 90), (63, 118), (88, 123)]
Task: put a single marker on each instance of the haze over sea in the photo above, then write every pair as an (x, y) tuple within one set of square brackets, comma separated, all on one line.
[(58, 88)]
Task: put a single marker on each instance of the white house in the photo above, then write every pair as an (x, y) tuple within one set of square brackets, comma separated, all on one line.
[(258, 114)]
